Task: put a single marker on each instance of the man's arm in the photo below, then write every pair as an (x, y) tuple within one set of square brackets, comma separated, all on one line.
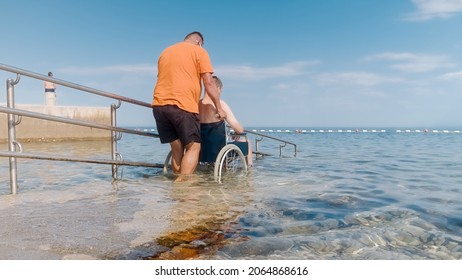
[(212, 91), (231, 119)]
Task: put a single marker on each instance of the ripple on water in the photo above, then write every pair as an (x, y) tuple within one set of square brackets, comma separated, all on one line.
[(257, 248), (385, 234)]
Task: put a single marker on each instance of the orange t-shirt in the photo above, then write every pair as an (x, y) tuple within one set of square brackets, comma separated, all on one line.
[(179, 76)]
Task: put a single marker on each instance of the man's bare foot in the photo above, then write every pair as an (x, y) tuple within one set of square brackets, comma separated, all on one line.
[(189, 178)]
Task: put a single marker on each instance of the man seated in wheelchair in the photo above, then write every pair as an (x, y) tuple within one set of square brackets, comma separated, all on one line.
[(213, 131)]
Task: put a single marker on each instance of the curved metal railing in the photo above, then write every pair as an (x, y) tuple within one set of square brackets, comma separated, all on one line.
[(15, 115), (37, 76), (14, 118), (263, 136)]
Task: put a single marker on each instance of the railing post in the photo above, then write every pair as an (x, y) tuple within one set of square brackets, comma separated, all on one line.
[(115, 136), (257, 141), (114, 139), (12, 135), (280, 148)]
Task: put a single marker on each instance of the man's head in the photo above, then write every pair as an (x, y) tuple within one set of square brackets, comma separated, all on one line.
[(195, 38), (218, 82)]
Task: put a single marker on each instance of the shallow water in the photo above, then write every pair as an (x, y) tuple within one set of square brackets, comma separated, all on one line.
[(382, 195)]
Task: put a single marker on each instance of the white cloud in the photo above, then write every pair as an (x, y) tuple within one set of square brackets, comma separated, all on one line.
[(356, 78), (430, 9), (413, 63), (244, 72), (299, 88), (240, 72), (452, 76), (283, 86), (133, 69)]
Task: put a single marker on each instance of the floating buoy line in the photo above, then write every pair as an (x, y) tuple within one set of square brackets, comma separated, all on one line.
[(307, 131)]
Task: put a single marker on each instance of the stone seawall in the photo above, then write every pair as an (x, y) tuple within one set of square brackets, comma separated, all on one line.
[(31, 129)]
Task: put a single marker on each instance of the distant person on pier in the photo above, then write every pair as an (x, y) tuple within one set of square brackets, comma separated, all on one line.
[(50, 91)]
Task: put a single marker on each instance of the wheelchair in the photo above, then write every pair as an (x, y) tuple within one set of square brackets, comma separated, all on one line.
[(221, 149)]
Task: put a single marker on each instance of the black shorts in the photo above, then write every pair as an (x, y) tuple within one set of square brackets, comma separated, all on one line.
[(174, 123)]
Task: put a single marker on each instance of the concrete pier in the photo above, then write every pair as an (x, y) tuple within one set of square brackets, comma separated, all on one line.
[(31, 129)]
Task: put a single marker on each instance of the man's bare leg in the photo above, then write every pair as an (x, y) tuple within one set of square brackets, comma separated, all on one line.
[(177, 155), (189, 161)]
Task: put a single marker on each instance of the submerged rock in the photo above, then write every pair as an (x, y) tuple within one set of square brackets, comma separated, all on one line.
[(258, 247)]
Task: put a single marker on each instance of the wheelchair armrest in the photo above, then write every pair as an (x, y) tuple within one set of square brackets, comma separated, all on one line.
[(237, 134)]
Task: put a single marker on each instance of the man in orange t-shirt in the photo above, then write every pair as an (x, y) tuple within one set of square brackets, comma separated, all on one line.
[(182, 68)]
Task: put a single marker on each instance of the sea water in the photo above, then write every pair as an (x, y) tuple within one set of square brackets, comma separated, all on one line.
[(345, 194)]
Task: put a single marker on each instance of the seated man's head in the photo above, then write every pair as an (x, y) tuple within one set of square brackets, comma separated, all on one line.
[(218, 83)]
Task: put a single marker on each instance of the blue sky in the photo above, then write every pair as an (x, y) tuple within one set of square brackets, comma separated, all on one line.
[(299, 63)]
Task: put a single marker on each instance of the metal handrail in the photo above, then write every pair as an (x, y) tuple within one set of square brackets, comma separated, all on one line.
[(77, 159), (24, 113), (11, 111), (273, 138), (71, 85), (117, 158)]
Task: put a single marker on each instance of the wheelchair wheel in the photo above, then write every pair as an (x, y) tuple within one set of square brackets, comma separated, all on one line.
[(230, 161), (167, 165)]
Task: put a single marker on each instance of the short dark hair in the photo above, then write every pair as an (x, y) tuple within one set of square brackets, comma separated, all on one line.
[(195, 33), (217, 81)]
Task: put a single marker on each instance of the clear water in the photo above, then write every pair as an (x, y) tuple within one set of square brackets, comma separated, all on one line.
[(383, 195)]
